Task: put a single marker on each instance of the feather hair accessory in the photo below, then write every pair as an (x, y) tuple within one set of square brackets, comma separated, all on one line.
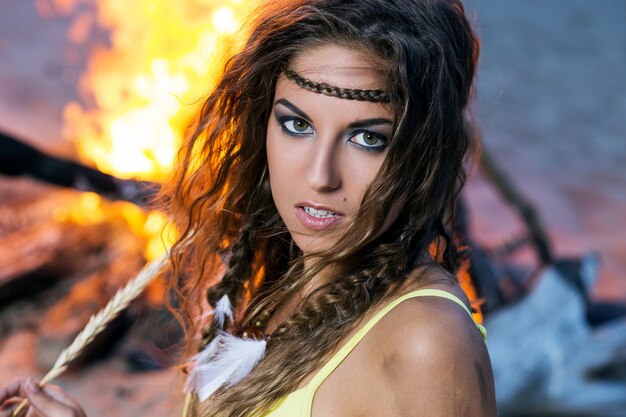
[(224, 361), (223, 311)]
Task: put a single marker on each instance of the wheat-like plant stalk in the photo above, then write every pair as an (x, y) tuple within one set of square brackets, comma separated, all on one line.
[(99, 321)]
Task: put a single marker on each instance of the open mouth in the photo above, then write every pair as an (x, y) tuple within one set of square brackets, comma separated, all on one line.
[(319, 214), (317, 218)]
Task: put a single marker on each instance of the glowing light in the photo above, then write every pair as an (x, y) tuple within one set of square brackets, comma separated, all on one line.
[(224, 20), (163, 56), (161, 232), (88, 210)]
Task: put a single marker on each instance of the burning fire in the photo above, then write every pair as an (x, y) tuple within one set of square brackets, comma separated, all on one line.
[(151, 227), (139, 91)]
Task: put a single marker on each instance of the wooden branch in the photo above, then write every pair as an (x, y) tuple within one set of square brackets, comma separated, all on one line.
[(546, 357), (509, 192), (45, 252), (24, 202), (20, 159), (65, 320)]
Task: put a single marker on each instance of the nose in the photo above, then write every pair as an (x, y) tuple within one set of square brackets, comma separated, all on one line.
[(324, 173)]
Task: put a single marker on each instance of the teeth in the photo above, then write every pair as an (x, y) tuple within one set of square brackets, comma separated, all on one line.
[(321, 214)]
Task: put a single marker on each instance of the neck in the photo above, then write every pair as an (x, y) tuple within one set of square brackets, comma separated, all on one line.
[(290, 303), (319, 279)]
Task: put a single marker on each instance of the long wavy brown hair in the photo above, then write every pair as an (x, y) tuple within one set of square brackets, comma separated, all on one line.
[(234, 243)]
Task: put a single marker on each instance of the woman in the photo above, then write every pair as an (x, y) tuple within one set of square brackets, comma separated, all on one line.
[(320, 185)]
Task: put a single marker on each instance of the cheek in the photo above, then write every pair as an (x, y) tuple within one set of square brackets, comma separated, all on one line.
[(272, 149), (279, 165), (360, 173)]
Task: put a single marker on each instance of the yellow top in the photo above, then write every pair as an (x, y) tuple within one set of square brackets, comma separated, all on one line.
[(299, 402)]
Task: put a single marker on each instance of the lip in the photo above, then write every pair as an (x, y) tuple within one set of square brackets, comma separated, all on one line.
[(315, 223)]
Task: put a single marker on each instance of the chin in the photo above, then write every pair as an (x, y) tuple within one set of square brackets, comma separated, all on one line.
[(312, 244)]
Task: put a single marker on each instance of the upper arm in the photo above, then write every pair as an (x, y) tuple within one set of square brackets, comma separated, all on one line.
[(435, 363)]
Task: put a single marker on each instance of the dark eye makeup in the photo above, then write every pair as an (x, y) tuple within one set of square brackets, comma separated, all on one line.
[(367, 140), (295, 126)]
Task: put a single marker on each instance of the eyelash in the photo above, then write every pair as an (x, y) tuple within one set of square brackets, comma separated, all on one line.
[(378, 148), (284, 120)]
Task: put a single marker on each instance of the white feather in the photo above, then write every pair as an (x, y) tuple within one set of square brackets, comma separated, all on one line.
[(225, 361), (223, 309)]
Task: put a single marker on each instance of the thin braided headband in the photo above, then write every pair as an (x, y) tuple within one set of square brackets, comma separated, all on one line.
[(375, 96)]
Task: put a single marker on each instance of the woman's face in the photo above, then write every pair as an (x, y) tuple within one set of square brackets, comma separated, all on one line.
[(324, 151)]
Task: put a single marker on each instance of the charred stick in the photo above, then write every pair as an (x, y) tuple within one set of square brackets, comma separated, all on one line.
[(20, 159), (508, 191)]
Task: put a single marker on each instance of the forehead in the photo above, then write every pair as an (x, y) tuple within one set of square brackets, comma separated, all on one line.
[(339, 66)]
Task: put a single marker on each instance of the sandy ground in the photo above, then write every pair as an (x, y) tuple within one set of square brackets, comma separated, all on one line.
[(103, 389), (551, 105)]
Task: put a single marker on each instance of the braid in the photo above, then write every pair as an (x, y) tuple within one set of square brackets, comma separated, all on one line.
[(318, 325), (375, 96), (345, 299), (232, 283)]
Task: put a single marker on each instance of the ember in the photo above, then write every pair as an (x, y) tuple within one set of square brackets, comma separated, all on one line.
[(141, 87), (64, 253)]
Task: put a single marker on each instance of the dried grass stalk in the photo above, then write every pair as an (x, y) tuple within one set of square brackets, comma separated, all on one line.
[(99, 321)]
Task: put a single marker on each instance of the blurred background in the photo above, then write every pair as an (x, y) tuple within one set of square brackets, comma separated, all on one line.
[(100, 93)]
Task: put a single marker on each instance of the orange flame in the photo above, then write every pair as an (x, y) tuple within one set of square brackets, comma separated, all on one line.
[(152, 227), (142, 89), (163, 56), (465, 281)]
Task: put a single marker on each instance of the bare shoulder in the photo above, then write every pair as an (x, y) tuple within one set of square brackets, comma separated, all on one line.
[(434, 360)]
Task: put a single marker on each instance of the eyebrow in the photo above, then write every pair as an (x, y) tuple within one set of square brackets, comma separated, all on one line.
[(293, 108), (353, 125), (369, 122)]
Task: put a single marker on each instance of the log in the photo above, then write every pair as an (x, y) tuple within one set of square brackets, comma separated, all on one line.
[(44, 253), (20, 159), (146, 350), (24, 202), (525, 209), (61, 323), (543, 350)]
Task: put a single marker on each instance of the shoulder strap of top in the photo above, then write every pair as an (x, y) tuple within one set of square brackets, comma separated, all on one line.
[(330, 366)]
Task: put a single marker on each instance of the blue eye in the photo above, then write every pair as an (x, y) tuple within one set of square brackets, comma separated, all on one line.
[(296, 126), (370, 140)]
